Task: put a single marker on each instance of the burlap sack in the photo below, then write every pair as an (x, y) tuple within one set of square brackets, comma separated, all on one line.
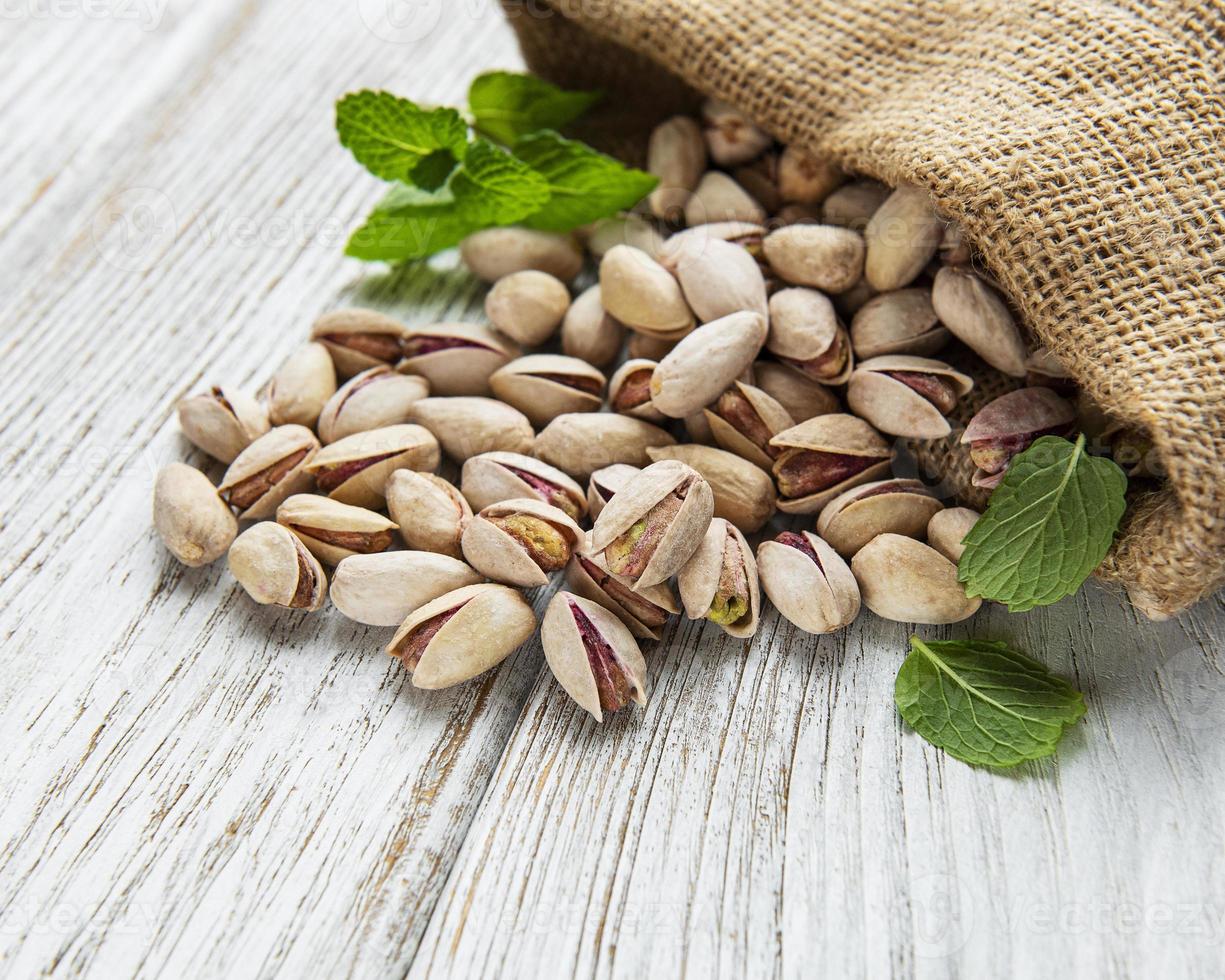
[(1081, 143)]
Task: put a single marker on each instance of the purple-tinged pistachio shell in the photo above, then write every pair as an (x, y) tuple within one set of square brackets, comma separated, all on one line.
[(520, 542), (947, 530), (698, 369), (359, 339), (743, 492), (855, 517), (805, 335), (273, 467), (799, 395), (825, 456), (222, 421), (629, 391), (1009, 425), (901, 322), (976, 314), (605, 484), (719, 582), (370, 400), (496, 476), (809, 583), (544, 386), (744, 419), (644, 611), (355, 469), (456, 358), (333, 531), (906, 396), (909, 582)]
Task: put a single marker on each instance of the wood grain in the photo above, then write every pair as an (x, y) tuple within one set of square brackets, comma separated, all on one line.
[(194, 786)]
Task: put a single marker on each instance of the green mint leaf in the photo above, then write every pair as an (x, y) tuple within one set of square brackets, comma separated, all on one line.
[(984, 703), (490, 188), (390, 136), (1048, 526), (506, 105), (585, 185)]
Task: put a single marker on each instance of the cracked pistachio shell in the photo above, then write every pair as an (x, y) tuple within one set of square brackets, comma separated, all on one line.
[(469, 426), (642, 294), (743, 493), (370, 400), (724, 556), (896, 408), (494, 253), (527, 306), (731, 136), (582, 443), (222, 421), (802, 397), (719, 198), (605, 483), (543, 386), (456, 358), (272, 468), (635, 501), (589, 333), (805, 177), (569, 659), (732, 432), (902, 237), (817, 596), (676, 154), (821, 256), (193, 521), (384, 589), (629, 391), (909, 582), (358, 339), (698, 369), (842, 435), (976, 315), (643, 611), (429, 511), (900, 322), (719, 278), (500, 556), (301, 387), (948, 528), (626, 229), (1007, 425), (804, 327), (493, 477), (276, 569), (333, 531), (489, 623), (360, 465), (853, 204), (855, 517)]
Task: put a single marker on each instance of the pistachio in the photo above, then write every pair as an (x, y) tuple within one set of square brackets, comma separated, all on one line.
[(302, 386), (799, 395), (719, 278), (719, 198), (809, 583), (589, 333), (355, 469), (626, 229), (645, 347), (1044, 370), (194, 523), (333, 531), (605, 483), (593, 655), (470, 426), (731, 136), (582, 443), (947, 530), (358, 339), (384, 589), (905, 580), (697, 428), (902, 236), (496, 252), (377, 397), (974, 312), (825, 456), (854, 299), (455, 358), (276, 569), (629, 392), (719, 582), (496, 476), (701, 366), (520, 542), (747, 234), (223, 421), (805, 335), (527, 306), (272, 468), (855, 517), (654, 525), (853, 204), (759, 179), (543, 386), (954, 249), (429, 511), (806, 178), (676, 154), (906, 396), (461, 634), (822, 256), (798, 214), (743, 493), (644, 612), (901, 322), (744, 419), (642, 294), (1009, 425)]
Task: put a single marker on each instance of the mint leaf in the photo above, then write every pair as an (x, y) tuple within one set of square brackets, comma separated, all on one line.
[(506, 105), (585, 185), (391, 137), (984, 703), (1048, 526), (490, 188)]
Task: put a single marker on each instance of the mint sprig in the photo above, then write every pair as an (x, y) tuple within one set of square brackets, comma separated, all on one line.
[(1048, 526), (506, 106), (393, 137), (984, 703)]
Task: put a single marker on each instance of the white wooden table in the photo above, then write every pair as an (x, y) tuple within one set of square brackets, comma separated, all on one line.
[(194, 786)]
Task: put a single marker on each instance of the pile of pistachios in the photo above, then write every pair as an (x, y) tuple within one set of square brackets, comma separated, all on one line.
[(738, 396)]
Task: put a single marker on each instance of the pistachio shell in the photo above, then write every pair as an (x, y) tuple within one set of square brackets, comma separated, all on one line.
[(744, 419), (496, 252), (582, 443), (500, 555), (646, 347), (974, 312), (702, 365), (496, 476), (605, 483), (819, 595), (223, 421), (301, 387), (851, 301), (385, 588), (804, 327), (470, 426), (900, 322), (719, 198), (1008, 425), (731, 136), (893, 406), (589, 333), (365, 460), (954, 249), (629, 391), (676, 154), (626, 229), (902, 237), (642, 294), (905, 580), (276, 569), (696, 238), (273, 467), (358, 339), (822, 256), (643, 611), (543, 386), (370, 400), (855, 517), (455, 358), (947, 530), (805, 177), (429, 511), (711, 567), (719, 279), (333, 531), (838, 434), (802, 397), (193, 521), (852, 205), (743, 493), (527, 306)]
